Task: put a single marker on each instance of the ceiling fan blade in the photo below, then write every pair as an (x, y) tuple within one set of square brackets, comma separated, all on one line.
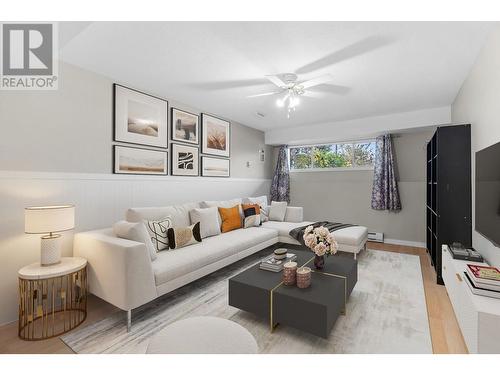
[(313, 94), (264, 94), (328, 88), (358, 48), (317, 81), (276, 80)]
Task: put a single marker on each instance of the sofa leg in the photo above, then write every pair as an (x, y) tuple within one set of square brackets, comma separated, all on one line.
[(129, 320)]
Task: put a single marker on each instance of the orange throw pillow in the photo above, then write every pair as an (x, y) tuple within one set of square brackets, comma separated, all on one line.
[(231, 218)]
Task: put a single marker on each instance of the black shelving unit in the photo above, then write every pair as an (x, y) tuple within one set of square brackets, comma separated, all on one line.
[(449, 199)]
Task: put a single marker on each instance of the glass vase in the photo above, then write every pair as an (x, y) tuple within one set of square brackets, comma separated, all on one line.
[(319, 262)]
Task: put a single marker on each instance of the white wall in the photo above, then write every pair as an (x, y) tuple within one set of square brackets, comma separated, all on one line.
[(100, 199), (361, 128), (345, 196), (56, 147), (478, 103)]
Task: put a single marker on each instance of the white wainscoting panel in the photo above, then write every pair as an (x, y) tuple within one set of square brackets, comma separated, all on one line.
[(100, 200)]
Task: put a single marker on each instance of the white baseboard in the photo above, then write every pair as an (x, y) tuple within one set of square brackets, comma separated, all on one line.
[(404, 243)]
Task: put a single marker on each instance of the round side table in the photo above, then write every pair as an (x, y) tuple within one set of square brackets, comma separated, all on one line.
[(52, 299)]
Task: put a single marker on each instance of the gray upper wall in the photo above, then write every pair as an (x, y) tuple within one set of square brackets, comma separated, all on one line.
[(345, 196), (70, 129)]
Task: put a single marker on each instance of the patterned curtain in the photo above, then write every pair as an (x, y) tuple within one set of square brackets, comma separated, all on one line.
[(385, 194), (280, 187)]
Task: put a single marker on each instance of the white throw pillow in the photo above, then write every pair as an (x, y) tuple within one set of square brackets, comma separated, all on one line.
[(261, 201), (135, 232), (157, 230), (224, 204), (264, 207), (208, 219), (277, 211)]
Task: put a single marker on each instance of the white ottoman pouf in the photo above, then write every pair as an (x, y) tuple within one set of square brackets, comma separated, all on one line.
[(203, 335)]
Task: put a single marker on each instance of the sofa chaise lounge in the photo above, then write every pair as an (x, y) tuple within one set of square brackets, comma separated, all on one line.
[(122, 273)]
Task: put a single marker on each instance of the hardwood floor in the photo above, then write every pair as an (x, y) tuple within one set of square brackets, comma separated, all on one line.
[(445, 333)]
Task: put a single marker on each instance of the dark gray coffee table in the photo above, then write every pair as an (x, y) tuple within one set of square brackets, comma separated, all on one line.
[(314, 310)]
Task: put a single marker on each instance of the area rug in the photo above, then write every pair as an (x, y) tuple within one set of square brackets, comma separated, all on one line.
[(386, 313)]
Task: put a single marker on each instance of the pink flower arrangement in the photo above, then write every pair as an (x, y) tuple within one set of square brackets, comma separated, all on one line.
[(320, 241)]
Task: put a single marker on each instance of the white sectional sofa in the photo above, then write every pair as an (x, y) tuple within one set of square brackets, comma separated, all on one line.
[(122, 273)]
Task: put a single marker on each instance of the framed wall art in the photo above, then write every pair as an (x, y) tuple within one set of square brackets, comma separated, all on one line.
[(185, 160), (140, 118), (215, 167), (133, 160), (216, 136), (185, 126)]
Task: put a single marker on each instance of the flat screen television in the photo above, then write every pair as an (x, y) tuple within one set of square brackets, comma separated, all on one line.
[(488, 193)]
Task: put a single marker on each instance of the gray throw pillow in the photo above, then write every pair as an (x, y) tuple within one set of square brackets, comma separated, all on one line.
[(135, 232), (277, 211), (208, 219)]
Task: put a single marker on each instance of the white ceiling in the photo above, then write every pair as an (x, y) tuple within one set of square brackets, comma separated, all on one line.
[(379, 67)]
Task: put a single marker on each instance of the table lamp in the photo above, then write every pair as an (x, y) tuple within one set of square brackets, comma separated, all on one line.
[(47, 220)]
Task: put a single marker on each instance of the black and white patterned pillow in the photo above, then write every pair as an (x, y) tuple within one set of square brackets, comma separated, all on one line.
[(252, 216), (158, 232)]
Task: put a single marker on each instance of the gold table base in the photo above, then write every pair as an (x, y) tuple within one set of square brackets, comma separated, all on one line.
[(53, 306)]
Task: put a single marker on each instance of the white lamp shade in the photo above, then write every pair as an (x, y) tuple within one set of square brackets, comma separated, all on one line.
[(49, 219)]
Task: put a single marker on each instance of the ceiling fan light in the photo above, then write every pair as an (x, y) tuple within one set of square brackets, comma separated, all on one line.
[(294, 101)]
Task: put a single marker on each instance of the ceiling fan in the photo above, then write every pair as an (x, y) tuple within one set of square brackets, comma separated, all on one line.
[(288, 87), (291, 90)]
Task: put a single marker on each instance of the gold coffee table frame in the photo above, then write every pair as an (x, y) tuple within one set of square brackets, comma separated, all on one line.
[(52, 299)]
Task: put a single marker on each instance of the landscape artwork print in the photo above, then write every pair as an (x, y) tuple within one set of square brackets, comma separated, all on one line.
[(185, 160), (140, 118), (131, 160), (143, 118), (214, 167), (215, 136), (185, 126)]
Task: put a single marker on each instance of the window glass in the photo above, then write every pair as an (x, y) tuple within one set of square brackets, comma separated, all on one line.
[(364, 154), (300, 157), (330, 156)]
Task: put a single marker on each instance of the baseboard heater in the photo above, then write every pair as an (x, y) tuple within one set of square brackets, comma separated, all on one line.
[(376, 236)]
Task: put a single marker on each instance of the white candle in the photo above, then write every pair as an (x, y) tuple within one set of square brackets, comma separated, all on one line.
[(304, 270)]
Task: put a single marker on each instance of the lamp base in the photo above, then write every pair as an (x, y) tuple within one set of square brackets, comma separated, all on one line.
[(50, 250)]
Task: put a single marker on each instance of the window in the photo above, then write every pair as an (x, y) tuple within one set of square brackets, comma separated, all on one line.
[(340, 156)]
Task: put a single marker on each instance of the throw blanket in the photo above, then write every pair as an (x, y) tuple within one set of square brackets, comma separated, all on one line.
[(298, 233)]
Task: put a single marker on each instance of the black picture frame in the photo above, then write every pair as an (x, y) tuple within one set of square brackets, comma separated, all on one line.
[(203, 161), (173, 158), (173, 130), (141, 140), (116, 170), (204, 149)]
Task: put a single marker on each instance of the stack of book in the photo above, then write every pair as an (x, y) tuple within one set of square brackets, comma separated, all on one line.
[(483, 280), (459, 252), (273, 265)]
